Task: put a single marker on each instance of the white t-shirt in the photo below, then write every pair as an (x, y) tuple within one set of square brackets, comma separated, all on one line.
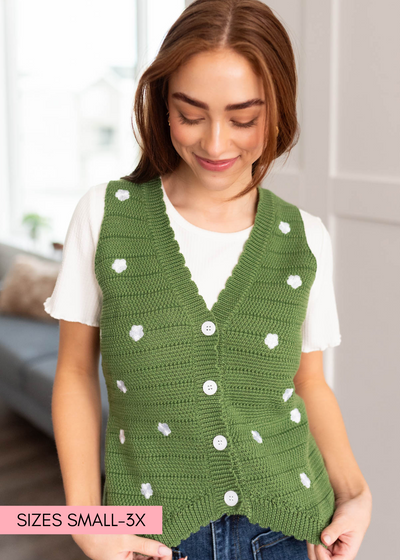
[(210, 257)]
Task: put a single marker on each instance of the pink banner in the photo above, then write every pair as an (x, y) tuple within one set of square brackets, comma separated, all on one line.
[(71, 520)]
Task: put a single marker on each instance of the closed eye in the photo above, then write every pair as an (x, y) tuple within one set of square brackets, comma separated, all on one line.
[(184, 120)]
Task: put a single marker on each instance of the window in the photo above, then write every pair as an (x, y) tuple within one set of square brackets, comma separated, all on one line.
[(70, 70)]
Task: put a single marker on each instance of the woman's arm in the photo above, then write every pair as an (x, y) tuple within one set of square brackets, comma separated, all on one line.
[(76, 413), (327, 427)]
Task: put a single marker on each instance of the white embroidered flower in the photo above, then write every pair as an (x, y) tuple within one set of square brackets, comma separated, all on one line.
[(284, 227), (122, 436), (294, 281), (256, 436), (136, 332), (164, 429), (119, 265), (287, 394), (295, 415), (271, 340), (122, 194), (146, 490), (121, 386), (305, 480)]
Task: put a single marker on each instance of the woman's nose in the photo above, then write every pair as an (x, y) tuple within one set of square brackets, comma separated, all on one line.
[(216, 139)]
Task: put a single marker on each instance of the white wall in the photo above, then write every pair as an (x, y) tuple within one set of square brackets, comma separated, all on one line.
[(346, 169)]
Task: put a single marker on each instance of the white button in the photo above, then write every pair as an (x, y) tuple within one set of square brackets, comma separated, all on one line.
[(209, 387), (231, 498), (208, 328), (220, 442)]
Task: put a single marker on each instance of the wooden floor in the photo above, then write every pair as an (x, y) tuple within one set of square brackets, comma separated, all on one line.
[(30, 475)]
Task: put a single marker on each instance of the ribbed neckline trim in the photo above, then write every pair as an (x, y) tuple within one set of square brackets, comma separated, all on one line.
[(176, 217), (178, 274)]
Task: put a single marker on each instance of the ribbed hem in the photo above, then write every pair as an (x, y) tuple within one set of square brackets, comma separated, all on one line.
[(268, 514)]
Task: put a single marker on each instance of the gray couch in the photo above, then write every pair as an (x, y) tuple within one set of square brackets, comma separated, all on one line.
[(28, 360)]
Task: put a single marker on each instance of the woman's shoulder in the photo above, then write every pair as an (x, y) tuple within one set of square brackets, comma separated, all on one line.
[(92, 199), (91, 206), (315, 232), (96, 194), (313, 226), (89, 211)]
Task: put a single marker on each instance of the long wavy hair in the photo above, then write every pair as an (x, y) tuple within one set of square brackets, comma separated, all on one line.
[(249, 28)]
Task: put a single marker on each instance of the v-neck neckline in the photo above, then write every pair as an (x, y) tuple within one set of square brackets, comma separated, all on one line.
[(177, 218), (174, 264)]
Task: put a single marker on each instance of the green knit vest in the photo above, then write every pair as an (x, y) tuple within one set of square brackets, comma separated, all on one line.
[(204, 418)]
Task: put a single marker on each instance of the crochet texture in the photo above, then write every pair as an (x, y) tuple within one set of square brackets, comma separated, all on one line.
[(204, 418)]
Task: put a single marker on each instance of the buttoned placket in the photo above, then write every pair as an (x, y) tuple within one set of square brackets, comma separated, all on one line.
[(220, 442), (167, 249)]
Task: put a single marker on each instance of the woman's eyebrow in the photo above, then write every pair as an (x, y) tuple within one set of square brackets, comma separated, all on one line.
[(233, 107)]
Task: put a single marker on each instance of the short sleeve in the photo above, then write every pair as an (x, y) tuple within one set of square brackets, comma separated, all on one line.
[(321, 328), (77, 295)]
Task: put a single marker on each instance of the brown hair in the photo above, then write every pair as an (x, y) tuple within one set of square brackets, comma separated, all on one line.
[(248, 27)]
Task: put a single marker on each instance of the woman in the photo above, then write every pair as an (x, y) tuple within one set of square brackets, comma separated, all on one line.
[(204, 326)]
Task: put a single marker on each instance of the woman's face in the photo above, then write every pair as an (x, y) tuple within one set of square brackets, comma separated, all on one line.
[(202, 123)]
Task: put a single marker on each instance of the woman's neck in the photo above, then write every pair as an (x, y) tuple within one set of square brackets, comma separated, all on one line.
[(208, 210)]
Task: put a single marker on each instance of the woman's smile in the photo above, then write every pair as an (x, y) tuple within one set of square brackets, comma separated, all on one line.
[(216, 165)]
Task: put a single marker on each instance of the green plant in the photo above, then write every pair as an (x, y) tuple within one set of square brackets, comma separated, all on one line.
[(35, 222)]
